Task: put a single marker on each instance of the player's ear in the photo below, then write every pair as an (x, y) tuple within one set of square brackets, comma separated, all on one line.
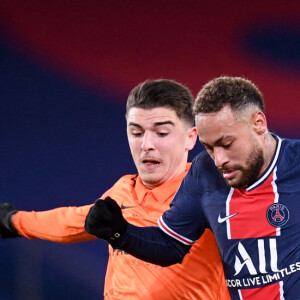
[(191, 138), (259, 122)]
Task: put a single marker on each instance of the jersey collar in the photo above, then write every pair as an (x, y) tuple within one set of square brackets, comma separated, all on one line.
[(271, 166), (163, 192)]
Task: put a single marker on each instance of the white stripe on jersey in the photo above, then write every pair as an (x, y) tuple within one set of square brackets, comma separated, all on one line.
[(269, 169), (162, 225), (276, 198), (281, 290), (227, 213)]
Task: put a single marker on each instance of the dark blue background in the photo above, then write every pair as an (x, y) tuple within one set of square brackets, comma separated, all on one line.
[(65, 72)]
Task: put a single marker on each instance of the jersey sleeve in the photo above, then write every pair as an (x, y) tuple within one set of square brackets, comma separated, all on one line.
[(185, 221), (152, 245), (62, 225)]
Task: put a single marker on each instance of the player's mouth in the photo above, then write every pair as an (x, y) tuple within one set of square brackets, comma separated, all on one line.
[(151, 163), (229, 174)]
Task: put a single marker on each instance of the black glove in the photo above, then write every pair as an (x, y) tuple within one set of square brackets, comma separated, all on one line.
[(105, 220), (6, 228)]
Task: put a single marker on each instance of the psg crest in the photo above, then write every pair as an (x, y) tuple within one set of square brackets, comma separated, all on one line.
[(277, 214)]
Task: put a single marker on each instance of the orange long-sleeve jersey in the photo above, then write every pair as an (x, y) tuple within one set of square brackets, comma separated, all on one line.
[(200, 276)]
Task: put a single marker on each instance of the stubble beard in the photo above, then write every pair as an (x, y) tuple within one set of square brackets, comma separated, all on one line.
[(254, 164)]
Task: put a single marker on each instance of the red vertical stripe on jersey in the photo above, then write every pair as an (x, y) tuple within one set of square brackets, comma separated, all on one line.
[(267, 292), (251, 220)]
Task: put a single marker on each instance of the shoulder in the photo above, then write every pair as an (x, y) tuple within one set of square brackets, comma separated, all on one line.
[(291, 146), (122, 188), (290, 154), (127, 179), (203, 174), (204, 160), (204, 167)]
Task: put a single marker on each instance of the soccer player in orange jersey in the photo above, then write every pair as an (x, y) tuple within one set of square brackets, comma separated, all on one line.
[(160, 130)]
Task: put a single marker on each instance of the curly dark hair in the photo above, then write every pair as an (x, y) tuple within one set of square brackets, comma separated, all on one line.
[(163, 93), (236, 92)]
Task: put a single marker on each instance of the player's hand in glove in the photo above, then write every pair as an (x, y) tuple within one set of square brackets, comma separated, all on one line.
[(6, 228), (105, 220)]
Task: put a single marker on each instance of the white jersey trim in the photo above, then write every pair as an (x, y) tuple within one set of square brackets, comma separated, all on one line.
[(227, 213), (162, 225), (270, 169)]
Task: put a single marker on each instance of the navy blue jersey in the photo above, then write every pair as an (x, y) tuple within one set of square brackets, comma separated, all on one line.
[(257, 229)]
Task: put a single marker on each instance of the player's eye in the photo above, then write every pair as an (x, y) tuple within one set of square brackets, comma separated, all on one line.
[(227, 146), (137, 133), (161, 134)]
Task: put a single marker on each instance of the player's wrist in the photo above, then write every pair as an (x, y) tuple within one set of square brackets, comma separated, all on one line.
[(119, 230), (7, 230), (10, 223), (119, 240)]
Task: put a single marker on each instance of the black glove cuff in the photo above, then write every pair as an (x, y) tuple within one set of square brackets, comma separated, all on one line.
[(122, 227), (8, 224), (117, 242)]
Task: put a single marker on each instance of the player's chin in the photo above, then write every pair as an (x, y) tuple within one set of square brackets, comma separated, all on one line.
[(235, 182), (152, 181)]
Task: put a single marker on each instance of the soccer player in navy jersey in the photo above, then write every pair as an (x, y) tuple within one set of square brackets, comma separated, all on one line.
[(245, 188)]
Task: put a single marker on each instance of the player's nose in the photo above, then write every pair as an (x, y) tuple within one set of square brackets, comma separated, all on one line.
[(148, 142), (220, 157)]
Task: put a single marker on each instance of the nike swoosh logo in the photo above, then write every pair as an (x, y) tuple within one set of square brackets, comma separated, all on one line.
[(127, 206), (221, 220)]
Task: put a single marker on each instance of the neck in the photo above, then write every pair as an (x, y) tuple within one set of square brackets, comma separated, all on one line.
[(270, 147)]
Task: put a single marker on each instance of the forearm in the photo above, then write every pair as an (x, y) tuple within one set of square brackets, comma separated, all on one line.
[(152, 245), (62, 225)]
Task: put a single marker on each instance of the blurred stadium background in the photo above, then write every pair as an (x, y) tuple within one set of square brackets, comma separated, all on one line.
[(66, 68)]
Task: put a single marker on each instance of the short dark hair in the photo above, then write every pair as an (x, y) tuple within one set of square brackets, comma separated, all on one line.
[(235, 92), (163, 93)]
